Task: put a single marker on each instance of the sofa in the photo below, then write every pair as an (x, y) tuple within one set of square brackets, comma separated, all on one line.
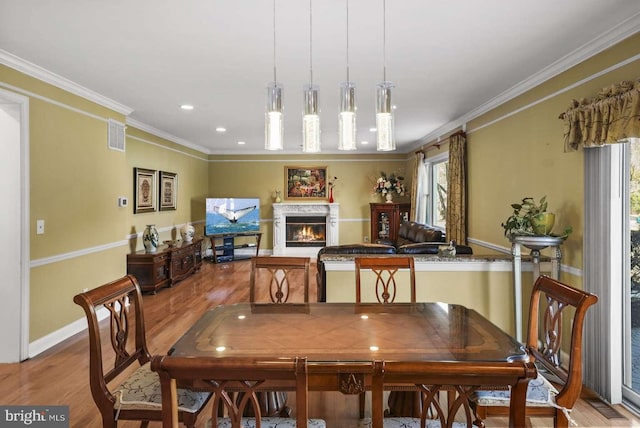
[(413, 238), (411, 232)]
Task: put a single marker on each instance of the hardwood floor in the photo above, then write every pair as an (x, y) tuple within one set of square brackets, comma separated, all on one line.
[(59, 376)]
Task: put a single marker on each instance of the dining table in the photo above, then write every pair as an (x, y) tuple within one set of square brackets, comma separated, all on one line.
[(348, 346)]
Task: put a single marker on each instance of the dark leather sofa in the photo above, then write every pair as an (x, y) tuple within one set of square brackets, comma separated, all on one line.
[(413, 238)]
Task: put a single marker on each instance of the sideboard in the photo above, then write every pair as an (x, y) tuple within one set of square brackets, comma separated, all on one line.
[(165, 267)]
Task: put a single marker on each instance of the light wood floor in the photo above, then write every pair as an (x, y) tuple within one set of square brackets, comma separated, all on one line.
[(59, 376)]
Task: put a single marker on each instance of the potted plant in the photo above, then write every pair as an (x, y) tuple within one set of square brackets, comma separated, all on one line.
[(530, 218)]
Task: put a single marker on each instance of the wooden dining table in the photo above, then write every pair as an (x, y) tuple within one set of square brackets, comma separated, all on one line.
[(348, 346)]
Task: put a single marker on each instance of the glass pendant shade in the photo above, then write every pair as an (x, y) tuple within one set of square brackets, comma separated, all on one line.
[(347, 117), (311, 120), (273, 126), (386, 140)]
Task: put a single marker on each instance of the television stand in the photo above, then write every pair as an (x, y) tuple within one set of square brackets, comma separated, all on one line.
[(224, 246)]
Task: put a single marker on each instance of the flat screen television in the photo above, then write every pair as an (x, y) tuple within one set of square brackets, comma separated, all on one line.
[(232, 215)]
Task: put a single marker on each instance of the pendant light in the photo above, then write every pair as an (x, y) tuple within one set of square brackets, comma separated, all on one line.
[(386, 140), (273, 126), (347, 116), (311, 117)]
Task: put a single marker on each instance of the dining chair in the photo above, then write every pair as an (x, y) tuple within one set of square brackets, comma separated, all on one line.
[(385, 270), (431, 413), (278, 275), (279, 278), (559, 382), (225, 378), (137, 396)]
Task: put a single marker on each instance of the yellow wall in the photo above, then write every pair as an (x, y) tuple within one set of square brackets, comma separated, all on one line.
[(76, 180), (261, 176), (489, 292), (517, 150), (75, 184)]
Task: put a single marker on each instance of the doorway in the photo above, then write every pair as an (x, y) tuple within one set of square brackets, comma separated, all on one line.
[(14, 227)]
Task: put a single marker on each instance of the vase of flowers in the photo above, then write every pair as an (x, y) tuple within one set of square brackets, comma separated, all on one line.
[(388, 185)]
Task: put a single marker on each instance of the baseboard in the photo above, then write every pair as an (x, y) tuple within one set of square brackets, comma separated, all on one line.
[(40, 345)]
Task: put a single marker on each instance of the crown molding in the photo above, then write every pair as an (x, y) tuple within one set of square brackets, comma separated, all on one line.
[(33, 70), (611, 37), (170, 137)]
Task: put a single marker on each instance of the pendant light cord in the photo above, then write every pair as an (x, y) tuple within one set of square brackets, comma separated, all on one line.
[(274, 41), (310, 42), (384, 40), (347, 1)]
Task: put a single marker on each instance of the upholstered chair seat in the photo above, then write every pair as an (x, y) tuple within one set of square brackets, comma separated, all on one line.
[(142, 390), (269, 422)]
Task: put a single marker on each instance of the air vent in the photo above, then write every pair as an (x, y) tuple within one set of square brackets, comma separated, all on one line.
[(116, 135)]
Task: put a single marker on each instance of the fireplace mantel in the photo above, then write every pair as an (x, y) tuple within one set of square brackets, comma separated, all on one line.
[(295, 209)]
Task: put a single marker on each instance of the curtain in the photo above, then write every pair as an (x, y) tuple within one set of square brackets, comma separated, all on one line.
[(417, 189), (613, 115), (456, 217)]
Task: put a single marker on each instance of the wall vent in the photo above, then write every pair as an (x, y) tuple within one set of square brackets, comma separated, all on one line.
[(116, 135)]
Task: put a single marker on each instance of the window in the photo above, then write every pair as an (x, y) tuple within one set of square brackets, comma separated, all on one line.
[(437, 169)]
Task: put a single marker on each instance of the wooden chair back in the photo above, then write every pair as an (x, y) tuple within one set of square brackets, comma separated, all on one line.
[(126, 346), (385, 270), (225, 378), (551, 302), (281, 275), (556, 321)]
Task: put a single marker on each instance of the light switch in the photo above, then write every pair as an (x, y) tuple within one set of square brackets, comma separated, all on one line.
[(39, 227)]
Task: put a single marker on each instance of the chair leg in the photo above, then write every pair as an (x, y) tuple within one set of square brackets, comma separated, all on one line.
[(361, 403), (560, 420)]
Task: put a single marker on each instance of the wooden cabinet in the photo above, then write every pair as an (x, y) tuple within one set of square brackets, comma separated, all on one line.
[(386, 219), (185, 260), (151, 270), (166, 266)]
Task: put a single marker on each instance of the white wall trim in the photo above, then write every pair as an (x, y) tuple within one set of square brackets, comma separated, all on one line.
[(160, 146), (51, 101), (315, 159), (162, 134), (47, 76), (73, 254), (99, 248)]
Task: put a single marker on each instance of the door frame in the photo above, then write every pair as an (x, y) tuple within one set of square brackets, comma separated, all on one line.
[(23, 296)]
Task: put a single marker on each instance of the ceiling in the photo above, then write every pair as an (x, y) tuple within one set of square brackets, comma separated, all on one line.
[(449, 60)]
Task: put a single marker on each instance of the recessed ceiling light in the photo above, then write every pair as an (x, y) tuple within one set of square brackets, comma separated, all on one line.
[(221, 129), (364, 143), (241, 143), (186, 107), (372, 129)]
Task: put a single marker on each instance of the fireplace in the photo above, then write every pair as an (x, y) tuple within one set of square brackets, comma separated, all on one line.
[(301, 229), (306, 231)]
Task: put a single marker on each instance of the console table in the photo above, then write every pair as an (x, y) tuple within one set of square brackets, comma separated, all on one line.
[(535, 244), (225, 251), (166, 266)]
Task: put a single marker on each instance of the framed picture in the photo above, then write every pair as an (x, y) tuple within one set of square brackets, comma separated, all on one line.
[(145, 190), (168, 196), (305, 182)]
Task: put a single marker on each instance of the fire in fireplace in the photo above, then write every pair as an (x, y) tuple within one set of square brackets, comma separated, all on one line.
[(307, 231)]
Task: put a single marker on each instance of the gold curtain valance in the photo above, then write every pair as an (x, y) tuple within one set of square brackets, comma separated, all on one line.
[(613, 115)]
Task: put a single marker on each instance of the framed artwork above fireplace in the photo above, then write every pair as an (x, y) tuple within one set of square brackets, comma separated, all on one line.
[(305, 182)]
